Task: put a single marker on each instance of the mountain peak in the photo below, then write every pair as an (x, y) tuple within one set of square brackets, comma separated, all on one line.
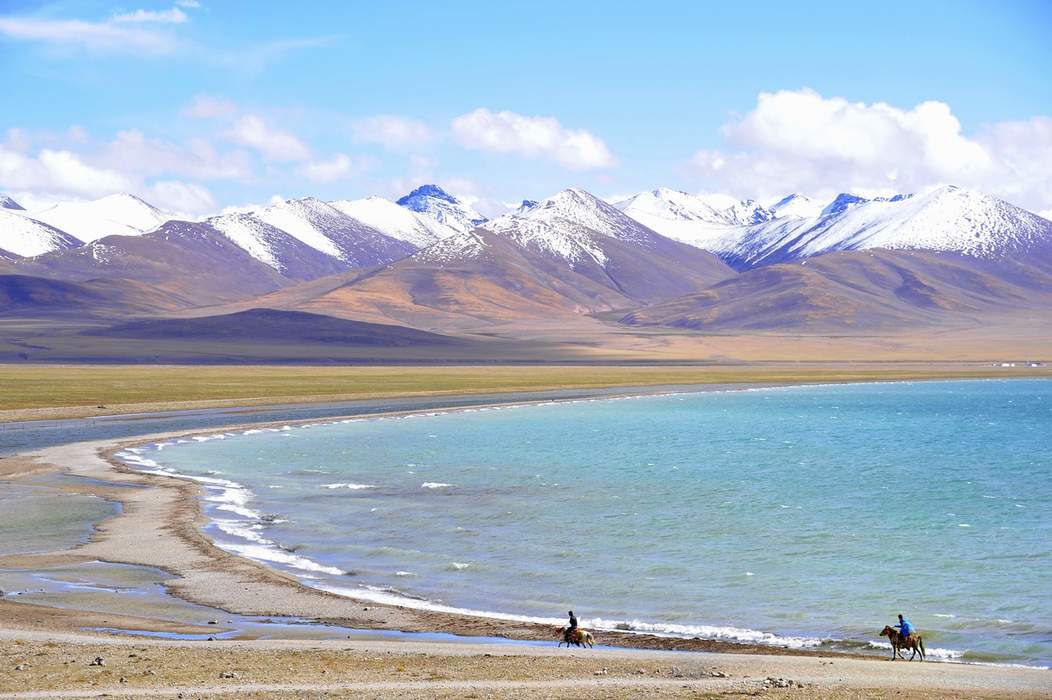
[(433, 201), (8, 203), (126, 199), (842, 203), (433, 191)]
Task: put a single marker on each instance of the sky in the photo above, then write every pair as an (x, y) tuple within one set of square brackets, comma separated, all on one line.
[(201, 105)]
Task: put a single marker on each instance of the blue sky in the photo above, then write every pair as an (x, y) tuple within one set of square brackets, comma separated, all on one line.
[(198, 105)]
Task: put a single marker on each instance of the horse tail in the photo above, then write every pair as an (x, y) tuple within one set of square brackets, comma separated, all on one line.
[(920, 640)]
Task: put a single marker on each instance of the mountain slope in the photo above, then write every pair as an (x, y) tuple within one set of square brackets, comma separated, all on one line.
[(330, 231), (394, 220), (270, 325), (439, 205), (114, 215), (947, 219), (576, 230), (190, 262), (24, 237), (857, 291), (24, 295), (7, 203), (570, 254), (276, 248), (682, 217)]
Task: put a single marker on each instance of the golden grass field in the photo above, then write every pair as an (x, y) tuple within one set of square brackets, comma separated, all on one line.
[(53, 391)]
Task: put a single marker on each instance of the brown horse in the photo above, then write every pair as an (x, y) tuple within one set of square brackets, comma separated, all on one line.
[(577, 637), (899, 642)]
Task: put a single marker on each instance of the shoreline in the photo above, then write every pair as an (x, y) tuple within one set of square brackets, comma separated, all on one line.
[(625, 633), (160, 526), (179, 512)]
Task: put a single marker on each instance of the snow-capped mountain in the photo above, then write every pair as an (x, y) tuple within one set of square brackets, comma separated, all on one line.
[(433, 201), (569, 254), (274, 247), (796, 205), (26, 237), (7, 203), (396, 221), (526, 205), (746, 213), (330, 231), (572, 225), (947, 219), (575, 232), (683, 217), (117, 214)]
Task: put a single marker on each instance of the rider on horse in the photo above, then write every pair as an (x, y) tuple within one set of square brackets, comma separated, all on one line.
[(905, 628), (571, 629)]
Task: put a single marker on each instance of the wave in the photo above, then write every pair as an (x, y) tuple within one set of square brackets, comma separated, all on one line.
[(434, 485), (352, 487)]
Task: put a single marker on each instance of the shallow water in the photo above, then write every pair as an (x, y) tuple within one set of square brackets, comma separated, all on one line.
[(40, 519), (790, 516)]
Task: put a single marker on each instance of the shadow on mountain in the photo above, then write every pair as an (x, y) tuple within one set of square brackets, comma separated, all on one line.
[(270, 325)]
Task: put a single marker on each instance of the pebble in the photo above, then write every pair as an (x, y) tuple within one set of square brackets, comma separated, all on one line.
[(603, 671), (97, 662), (23, 667), (227, 674)]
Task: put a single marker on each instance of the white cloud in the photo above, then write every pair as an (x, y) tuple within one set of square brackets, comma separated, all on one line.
[(172, 16), (274, 144), (338, 167), (508, 132), (189, 4), (184, 198), (57, 172), (391, 131), (801, 141), (132, 151), (92, 35)]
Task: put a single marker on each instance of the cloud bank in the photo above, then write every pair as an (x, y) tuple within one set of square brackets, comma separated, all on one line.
[(508, 132), (798, 140)]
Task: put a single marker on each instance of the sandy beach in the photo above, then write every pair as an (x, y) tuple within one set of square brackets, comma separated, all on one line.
[(47, 651)]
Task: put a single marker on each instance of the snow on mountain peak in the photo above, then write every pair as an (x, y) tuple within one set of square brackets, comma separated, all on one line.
[(26, 237), (577, 206), (796, 205), (120, 214), (395, 221), (526, 205), (687, 218), (947, 218), (433, 201), (8, 203), (433, 191), (842, 203)]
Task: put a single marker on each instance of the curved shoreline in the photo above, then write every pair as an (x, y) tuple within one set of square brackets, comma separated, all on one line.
[(168, 514)]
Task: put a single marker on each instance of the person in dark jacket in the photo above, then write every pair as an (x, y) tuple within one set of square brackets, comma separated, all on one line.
[(571, 629)]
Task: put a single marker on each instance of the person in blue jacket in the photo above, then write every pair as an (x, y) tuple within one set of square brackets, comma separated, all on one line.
[(905, 628)]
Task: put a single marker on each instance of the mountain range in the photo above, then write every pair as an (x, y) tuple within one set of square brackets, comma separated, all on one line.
[(661, 259)]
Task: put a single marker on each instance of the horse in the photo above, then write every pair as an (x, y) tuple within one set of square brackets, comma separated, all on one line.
[(899, 642), (578, 637)]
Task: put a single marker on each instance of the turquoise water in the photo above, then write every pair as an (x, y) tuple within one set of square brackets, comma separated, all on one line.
[(799, 516)]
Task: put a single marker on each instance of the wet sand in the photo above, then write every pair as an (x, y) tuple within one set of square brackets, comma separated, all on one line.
[(159, 526)]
